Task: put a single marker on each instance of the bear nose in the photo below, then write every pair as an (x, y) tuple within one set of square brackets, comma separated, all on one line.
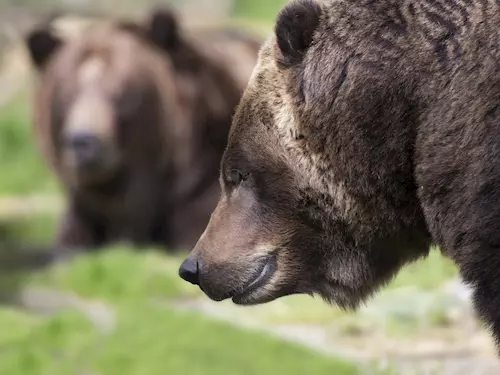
[(189, 271), (85, 145)]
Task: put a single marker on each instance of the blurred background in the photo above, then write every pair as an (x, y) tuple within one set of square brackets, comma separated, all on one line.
[(126, 312)]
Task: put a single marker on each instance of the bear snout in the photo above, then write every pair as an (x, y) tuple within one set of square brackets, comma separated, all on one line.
[(241, 281), (209, 279), (86, 148)]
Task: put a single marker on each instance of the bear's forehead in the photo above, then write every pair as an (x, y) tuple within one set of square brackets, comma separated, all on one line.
[(264, 120), (91, 70), (103, 43), (266, 93), (266, 82), (99, 59)]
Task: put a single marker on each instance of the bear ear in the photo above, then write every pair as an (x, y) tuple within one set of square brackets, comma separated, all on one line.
[(294, 29), (42, 44), (163, 29)]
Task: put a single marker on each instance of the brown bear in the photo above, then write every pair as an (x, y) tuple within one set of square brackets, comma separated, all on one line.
[(137, 156), (368, 132)]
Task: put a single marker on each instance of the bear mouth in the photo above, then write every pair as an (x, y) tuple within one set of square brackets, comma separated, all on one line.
[(250, 293)]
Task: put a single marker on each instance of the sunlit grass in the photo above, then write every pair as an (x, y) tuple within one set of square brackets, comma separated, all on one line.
[(120, 274)]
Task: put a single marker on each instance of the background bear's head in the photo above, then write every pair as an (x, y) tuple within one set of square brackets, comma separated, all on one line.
[(318, 195), (105, 99)]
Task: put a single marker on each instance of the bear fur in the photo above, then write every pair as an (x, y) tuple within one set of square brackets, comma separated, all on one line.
[(116, 89), (369, 131)]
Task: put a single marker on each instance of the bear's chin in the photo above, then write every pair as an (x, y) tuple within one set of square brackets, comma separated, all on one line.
[(89, 178), (336, 296), (343, 296), (261, 296), (253, 298)]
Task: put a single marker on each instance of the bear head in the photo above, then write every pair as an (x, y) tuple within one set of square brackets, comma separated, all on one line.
[(106, 99), (318, 195)]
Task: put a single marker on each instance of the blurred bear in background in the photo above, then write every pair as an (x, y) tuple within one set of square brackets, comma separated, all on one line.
[(212, 68), (133, 118)]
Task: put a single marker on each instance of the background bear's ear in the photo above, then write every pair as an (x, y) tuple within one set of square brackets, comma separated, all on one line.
[(163, 28), (295, 26), (42, 44)]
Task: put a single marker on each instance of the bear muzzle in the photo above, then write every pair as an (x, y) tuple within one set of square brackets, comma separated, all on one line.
[(245, 284), (85, 148)]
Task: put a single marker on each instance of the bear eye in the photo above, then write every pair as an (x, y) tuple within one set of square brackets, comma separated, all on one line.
[(236, 176)]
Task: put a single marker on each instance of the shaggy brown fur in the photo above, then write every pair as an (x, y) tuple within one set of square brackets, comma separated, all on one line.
[(122, 130), (369, 130)]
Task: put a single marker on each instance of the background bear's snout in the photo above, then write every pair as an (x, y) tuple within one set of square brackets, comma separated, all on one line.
[(85, 146)]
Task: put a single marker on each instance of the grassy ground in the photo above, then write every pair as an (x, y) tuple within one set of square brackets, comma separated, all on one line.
[(146, 336)]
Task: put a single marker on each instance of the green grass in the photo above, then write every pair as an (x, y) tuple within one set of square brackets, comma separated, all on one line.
[(262, 10), (50, 346), (150, 337), (426, 274), (120, 274), (36, 230), (149, 340), (197, 345), (23, 170)]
